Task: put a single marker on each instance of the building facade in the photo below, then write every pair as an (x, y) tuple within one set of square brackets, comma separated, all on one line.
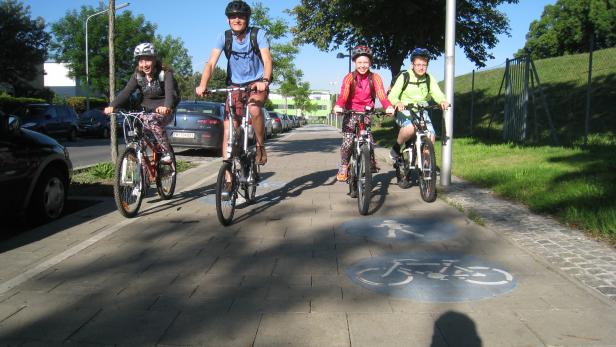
[(324, 100)]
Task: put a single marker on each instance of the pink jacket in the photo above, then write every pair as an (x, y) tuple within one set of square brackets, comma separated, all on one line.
[(361, 96)]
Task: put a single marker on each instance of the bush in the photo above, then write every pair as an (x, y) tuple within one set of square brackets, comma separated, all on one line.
[(79, 103), (11, 104)]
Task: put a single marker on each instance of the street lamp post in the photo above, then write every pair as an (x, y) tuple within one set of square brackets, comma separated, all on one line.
[(342, 56), (87, 65)]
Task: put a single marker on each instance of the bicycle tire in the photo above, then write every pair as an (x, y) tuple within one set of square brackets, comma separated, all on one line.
[(352, 178), (225, 206), (427, 171), (376, 277), (166, 176), (506, 276), (250, 190), (403, 169), (128, 185), (364, 180)]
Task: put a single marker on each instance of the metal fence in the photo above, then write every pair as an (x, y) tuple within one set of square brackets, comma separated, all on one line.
[(564, 99)]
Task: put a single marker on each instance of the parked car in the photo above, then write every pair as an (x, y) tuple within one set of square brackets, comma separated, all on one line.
[(197, 124), (94, 123), (35, 172), (287, 122), (277, 122), (52, 120), (267, 122)]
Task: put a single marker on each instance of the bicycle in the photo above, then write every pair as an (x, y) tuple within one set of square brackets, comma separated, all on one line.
[(360, 169), (403, 271), (240, 165), (420, 146), (139, 166)]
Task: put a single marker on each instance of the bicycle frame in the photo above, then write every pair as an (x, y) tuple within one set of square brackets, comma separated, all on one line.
[(135, 135), (231, 117)]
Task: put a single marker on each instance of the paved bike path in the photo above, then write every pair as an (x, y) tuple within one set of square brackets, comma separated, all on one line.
[(300, 267)]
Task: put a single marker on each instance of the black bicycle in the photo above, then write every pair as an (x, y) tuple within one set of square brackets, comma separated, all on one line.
[(238, 174), (360, 168), (139, 166), (408, 168)]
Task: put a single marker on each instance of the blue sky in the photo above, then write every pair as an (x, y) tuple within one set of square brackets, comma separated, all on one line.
[(198, 23)]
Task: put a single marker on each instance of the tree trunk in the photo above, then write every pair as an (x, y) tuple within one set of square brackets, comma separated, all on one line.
[(114, 140)]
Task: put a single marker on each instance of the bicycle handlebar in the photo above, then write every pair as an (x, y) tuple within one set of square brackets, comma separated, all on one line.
[(226, 90)]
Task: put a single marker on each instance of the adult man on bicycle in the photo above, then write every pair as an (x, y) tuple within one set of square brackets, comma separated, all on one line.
[(418, 86), (247, 66), (358, 91), (156, 84)]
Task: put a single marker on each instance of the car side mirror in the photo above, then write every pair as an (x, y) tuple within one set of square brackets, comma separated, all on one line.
[(13, 124)]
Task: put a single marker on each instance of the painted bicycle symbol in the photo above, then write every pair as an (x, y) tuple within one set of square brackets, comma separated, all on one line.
[(401, 272)]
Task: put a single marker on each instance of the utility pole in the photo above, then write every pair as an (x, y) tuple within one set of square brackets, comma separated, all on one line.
[(450, 45), (114, 140)]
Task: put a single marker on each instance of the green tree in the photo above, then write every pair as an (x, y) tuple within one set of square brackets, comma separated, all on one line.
[(394, 28), (567, 26), (24, 45), (68, 44), (173, 53), (283, 53)]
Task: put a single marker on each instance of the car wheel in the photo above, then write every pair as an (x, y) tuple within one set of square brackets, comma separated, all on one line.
[(49, 196), (72, 134)]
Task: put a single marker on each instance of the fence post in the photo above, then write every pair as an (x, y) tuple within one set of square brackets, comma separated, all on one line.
[(589, 90), (472, 100)]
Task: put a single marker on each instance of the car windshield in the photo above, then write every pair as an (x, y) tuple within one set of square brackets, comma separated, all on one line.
[(35, 112), (198, 109)]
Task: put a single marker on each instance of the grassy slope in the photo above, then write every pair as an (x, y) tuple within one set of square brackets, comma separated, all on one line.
[(575, 184)]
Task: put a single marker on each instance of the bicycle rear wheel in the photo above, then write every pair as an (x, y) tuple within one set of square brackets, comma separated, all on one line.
[(250, 189), (403, 169), (165, 178), (364, 180), (226, 194), (129, 186), (427, 171)]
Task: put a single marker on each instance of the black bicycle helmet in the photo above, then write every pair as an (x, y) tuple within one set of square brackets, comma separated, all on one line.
[(361, 50), (420, 52), (238, 7)]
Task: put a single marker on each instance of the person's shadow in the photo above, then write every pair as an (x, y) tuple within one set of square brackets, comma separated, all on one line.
[(455, 329)]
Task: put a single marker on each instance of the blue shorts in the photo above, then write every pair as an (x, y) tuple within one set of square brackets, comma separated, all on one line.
[(404, 119)]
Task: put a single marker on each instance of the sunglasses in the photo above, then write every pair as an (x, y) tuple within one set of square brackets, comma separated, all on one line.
[(236, 16)]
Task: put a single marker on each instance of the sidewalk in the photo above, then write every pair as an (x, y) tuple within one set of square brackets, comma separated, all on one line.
[(301, 267)]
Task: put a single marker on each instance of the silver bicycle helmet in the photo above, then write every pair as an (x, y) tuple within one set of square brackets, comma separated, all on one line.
[(145, 49)]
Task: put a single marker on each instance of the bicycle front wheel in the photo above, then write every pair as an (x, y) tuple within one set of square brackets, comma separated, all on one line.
[(165, 178), (427, 171), (128, 186), (364, 180), (226, 193)]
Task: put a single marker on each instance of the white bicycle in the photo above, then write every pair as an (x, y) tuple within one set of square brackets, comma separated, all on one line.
[(403, 271)]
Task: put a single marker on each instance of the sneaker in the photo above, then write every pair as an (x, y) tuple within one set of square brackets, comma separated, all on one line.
[(393, 154), (342, 175), (261, 156), (166, 158)]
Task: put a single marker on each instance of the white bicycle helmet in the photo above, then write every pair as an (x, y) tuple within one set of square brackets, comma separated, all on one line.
[(145, 49)]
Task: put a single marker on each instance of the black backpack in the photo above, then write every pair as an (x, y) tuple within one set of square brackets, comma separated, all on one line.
[(370, 82), (407, 76), (229, 41), (161, 78)]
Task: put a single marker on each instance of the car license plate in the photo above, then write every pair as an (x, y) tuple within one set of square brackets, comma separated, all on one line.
[(184, 135)]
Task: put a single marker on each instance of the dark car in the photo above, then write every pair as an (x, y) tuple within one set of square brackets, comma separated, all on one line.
[(94, 123), (35, 172), (197, 124), (52, 120)]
